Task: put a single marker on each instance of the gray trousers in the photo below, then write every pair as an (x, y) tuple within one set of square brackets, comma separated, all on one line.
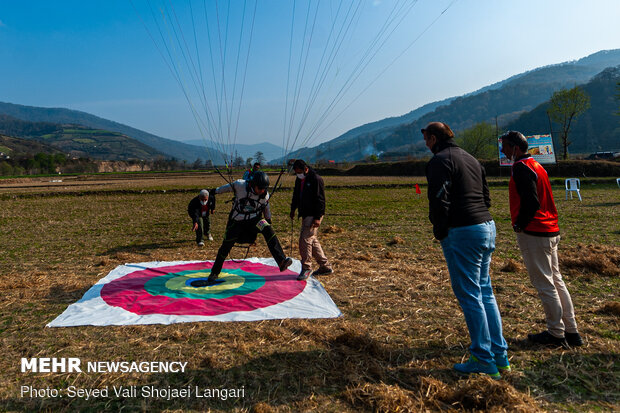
[(540, 255), (309, 245)]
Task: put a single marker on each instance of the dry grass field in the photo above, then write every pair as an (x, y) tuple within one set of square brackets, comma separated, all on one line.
[(392, 350)]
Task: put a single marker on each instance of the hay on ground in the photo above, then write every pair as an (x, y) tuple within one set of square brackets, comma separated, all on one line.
[(383, 398), (592, 259), (612, 308), (511, 266), (481, 393), (332, 229), (396, 240)]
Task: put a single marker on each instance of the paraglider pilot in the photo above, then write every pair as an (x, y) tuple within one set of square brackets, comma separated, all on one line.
[(250, 214)]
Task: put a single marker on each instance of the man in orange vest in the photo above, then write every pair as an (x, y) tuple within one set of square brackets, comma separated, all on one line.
[(535, 220)]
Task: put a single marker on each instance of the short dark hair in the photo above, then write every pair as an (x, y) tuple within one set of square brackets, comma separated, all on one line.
[(514, 138), (256, 164), (441, 131), (299, 164)]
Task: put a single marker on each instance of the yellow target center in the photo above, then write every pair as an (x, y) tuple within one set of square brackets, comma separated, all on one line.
[(225, 281)]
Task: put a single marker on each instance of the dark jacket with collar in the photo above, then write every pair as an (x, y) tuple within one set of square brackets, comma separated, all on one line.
[(311, 202), (194, 208), (458, 192)]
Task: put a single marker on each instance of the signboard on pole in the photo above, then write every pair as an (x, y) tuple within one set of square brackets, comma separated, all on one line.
[(539, 146)]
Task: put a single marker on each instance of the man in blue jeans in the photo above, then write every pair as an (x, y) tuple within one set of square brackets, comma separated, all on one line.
[(459, 204)]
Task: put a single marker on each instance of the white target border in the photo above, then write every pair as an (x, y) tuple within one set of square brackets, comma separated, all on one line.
[(91, 309)]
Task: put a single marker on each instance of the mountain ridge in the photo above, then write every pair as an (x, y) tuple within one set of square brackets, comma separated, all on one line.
[(506, 99)]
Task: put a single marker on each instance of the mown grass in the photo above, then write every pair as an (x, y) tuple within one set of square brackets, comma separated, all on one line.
[(393, 350)]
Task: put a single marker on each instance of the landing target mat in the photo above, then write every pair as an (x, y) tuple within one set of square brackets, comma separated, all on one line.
[(162, 293)]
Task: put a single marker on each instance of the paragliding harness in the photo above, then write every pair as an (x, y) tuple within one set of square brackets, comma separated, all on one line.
[(246, 206)]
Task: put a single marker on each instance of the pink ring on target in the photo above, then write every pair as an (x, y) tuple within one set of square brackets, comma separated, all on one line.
[(129, 293)]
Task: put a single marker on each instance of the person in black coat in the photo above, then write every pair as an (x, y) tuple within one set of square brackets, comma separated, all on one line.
[(309, 200), (459, 202), (199, 210)]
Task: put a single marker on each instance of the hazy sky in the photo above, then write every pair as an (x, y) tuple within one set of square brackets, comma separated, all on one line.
[(97, 56)]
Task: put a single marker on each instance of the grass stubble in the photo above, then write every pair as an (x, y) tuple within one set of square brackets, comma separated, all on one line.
[(392, 350)]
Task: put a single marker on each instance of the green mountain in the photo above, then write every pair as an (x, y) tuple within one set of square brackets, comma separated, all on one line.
[(598, 129), (504, 101), (79, 141), (15, 147), (168, 147)]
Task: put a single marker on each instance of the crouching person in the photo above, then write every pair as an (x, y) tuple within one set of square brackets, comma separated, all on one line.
[(249, 216), (199, 210)]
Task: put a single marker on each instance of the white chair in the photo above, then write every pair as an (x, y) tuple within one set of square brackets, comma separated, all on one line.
[(572, 185)]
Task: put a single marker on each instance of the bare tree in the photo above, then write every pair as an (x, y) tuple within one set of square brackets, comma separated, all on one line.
[(259, 157), (565, 106)]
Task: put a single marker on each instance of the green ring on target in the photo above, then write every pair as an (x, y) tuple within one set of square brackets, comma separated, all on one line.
[(174, 285)]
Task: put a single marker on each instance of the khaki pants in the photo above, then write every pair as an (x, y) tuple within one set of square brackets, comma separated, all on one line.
[(540, 255), (309, 245)]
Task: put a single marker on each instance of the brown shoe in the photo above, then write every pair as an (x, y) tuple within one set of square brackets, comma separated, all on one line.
[(288, 261), (323, 271)]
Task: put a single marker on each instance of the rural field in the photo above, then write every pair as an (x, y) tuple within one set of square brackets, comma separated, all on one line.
[(393, 348)]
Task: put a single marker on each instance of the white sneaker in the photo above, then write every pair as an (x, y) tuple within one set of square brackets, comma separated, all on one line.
[(201, 244), (209, 237)]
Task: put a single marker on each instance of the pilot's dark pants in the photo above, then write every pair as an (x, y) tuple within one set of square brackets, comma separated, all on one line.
[(245, 232)]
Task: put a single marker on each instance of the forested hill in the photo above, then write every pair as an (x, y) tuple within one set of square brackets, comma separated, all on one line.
[(506, 100), (168, 147), (79, 141), (11, 147), (598, 129)]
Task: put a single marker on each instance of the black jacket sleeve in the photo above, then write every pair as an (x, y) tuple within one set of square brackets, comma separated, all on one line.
[(295, 200), (485, 188), (319, 206), (439, 186), (211, 202), (193, 209), (525, 181)]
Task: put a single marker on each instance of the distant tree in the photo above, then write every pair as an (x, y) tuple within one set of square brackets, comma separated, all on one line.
[(618, 97), (197, 164), (160, 164), (238, 161), (259, 157), (480, 141), (6, 169), (248, 162), (565, 106)]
